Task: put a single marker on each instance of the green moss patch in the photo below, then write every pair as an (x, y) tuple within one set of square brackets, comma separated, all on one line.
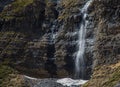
[(105, 76), (11, 9), (4, 74)]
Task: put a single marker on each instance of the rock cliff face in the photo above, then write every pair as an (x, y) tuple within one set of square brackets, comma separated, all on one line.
[(39, 37), (107, 45), (107, 32), (4, 3)]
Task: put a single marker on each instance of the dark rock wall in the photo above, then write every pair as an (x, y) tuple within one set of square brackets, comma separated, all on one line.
[(31, 18), (19, 39), (106, 51), (107, 16), (3, 3), (26, 44)]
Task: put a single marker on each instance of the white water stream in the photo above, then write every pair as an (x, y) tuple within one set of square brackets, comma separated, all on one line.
[(79, 61)]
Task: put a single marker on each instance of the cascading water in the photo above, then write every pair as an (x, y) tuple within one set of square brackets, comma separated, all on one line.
[(79, 61), (53, 32)]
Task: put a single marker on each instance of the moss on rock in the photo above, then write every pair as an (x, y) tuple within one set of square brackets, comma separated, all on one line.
[(10, 77), (105, 76), (16, 7)]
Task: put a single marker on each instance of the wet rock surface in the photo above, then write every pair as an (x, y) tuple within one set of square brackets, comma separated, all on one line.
[(50, 82), (118, 85)]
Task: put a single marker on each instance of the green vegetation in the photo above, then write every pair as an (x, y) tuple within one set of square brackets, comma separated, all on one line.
[(10, 77), (70, 6), (15, 7), (69, 3), (4, 74), (10, 44), (105, 76), (114, 79)]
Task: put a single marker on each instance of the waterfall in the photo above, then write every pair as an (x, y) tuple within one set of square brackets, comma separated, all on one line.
[(53, 31), (79, 60)]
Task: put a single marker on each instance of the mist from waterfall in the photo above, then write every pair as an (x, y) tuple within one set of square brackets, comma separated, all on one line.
[(79, 60)]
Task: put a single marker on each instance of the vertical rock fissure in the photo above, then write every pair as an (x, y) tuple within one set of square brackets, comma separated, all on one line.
[(51, 50), (79, 60), (50, 65)]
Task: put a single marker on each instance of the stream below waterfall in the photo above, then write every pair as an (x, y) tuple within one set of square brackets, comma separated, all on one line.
[(53, 82)]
